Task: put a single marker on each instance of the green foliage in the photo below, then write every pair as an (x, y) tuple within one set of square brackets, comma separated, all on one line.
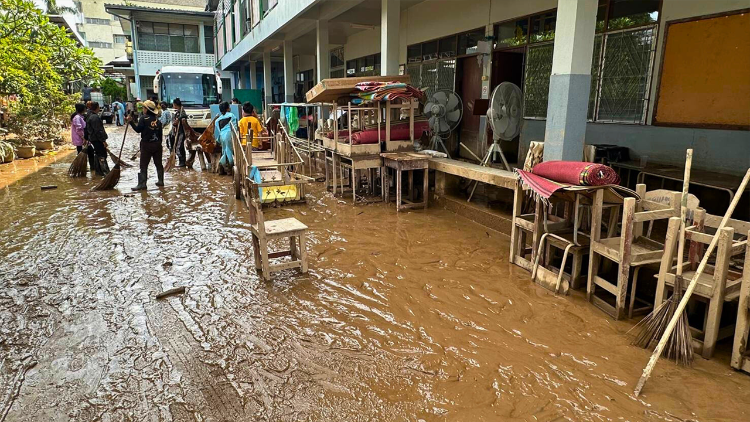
[(37, 60), (54, 9), (6, 151), (112, 88)]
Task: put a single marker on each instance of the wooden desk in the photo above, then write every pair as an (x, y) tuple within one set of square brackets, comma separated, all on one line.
[(408, 162)]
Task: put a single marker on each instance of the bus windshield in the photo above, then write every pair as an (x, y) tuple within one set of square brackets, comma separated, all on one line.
[(193, 89)]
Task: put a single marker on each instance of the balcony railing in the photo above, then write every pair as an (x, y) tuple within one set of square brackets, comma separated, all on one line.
[(175, 59)]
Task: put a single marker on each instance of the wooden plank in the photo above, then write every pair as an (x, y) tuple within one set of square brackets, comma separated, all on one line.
[(605, 250), (596, 233), (606, 285), (640, 217), (496, 177), (738, 225), (286, 265), (329, 90)]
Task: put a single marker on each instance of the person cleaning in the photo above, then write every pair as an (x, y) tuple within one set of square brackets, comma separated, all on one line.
[(223, 136), (179, 131), (97, 137), (78, 127), (250, 127), (150, 129)]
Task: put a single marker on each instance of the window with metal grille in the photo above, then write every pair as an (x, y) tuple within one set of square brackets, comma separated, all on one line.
[(363, 66), (97, 21), (99, 44), (120, 39), (177, 38), (622, 60), (208, 34)]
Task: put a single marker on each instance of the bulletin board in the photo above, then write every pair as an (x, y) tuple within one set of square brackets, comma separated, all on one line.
[(705, 74)]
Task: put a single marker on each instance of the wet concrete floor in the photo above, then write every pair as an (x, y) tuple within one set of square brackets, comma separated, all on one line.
[(403, 317)]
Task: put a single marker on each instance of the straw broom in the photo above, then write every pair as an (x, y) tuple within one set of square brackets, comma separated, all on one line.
[(113, 177), (691, 287), (680, 344), (79, 166), (115, 159), (173, 155)]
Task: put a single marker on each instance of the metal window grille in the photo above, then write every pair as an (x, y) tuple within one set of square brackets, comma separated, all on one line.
[(433, 76), (97, 21), (625, 75), (536, 81), (99, 44)]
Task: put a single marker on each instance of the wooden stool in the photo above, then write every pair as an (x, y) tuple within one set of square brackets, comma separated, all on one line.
[(290, 228), (408, 162)]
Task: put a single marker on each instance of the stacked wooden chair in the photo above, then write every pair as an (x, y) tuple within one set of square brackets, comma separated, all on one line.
[(717, 285), (631, 250), (740, 350), (257, 181)]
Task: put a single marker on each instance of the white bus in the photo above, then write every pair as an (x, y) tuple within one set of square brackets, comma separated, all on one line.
[(196, 86)]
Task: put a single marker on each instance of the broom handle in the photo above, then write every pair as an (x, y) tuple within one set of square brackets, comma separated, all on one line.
[(119, 156), (689, 291), (683, 209)]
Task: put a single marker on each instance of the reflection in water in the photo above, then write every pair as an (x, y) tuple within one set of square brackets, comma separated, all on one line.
[(411, 316)]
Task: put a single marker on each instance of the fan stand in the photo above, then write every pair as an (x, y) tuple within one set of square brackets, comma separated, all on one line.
[(436, 144), (494, 149)]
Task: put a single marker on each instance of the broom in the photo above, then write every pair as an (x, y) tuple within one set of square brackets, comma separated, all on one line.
[(173, 155), (680, 344), (115, 159), (79, 166), (113, 177), (134, 156)]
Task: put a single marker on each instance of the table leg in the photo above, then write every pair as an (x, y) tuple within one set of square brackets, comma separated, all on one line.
[(425, 186), (382, 185), (354, 185), (398, 190), (411, 185)]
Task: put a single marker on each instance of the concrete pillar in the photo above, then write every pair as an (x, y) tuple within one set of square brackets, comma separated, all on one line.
[(241, 84), (267, 81), (202, 38), (253, 75), (288, 72), (570, 81), (390, 15), (322, 50), (136, 68)]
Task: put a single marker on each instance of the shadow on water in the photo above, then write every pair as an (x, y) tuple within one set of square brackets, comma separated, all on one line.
[(412, 316)]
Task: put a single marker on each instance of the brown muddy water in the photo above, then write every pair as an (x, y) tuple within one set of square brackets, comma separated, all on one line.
[(403, 317)]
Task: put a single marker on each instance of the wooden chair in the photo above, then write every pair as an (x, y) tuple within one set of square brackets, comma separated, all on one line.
[(740, 356), (716, 285), (630, 250), (251, 181)]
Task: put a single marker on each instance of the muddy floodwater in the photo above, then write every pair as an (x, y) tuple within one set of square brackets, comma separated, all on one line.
[(414, 316)]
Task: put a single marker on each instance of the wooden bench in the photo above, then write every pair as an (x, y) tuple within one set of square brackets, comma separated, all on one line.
[(492, 176), (740, 357)]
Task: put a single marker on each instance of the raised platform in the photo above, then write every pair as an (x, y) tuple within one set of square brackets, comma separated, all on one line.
[(496, 177)]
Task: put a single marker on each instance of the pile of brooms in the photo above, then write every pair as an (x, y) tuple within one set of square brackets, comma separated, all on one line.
[(79, 166), (666, 328)]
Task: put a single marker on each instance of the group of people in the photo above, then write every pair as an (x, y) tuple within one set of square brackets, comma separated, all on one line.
[(152, 119)]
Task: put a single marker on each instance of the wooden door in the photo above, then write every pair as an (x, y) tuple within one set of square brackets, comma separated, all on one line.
[(469, 88)]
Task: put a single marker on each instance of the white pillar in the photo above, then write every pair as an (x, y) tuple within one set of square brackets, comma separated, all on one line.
[(570, 81), (288, 72), (267, 81), (322, 51), (202, 38), (253, 75), (242, 77), (390, 14)]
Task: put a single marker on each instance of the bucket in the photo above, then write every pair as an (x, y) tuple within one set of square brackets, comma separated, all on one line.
[(44, 145), (25, 151)]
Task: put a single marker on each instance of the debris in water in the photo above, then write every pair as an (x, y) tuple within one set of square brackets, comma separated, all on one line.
[(49, 187), (175, 291)]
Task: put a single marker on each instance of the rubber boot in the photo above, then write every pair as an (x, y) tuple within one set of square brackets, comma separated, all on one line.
[(103, 168), (142, 176), (160, 176)]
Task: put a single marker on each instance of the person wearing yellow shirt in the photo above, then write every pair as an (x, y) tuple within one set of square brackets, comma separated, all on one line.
[(250, 122)]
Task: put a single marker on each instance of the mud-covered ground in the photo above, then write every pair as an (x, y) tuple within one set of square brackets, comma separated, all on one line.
[(402, 317)]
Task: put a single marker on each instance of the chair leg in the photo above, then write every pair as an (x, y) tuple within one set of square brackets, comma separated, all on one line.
[(256, 252), (622, 289), (303, 251), (632, 292), (293, 248), (266, 265), (713, 319), (593, 272), (575, 270)]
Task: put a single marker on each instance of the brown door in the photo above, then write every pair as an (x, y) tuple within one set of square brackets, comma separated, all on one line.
[(507, 66), (469, 88)]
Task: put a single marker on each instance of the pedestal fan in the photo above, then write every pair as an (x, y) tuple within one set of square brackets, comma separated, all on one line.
[(444, 111)]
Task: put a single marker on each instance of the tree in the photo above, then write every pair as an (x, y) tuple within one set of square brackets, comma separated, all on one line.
[(112, 88), (37, 60), (54, 9)]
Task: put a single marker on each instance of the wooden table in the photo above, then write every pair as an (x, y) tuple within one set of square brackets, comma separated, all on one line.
[(408, 162)]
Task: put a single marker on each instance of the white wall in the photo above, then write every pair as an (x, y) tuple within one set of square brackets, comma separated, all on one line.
[(362, 43), (682, 9)]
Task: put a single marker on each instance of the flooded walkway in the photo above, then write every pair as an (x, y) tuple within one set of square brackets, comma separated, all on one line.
[(403, 317)]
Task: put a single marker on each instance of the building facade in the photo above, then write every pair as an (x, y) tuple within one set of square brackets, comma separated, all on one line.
[(590, 70), (163, 36), (102, 30)]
